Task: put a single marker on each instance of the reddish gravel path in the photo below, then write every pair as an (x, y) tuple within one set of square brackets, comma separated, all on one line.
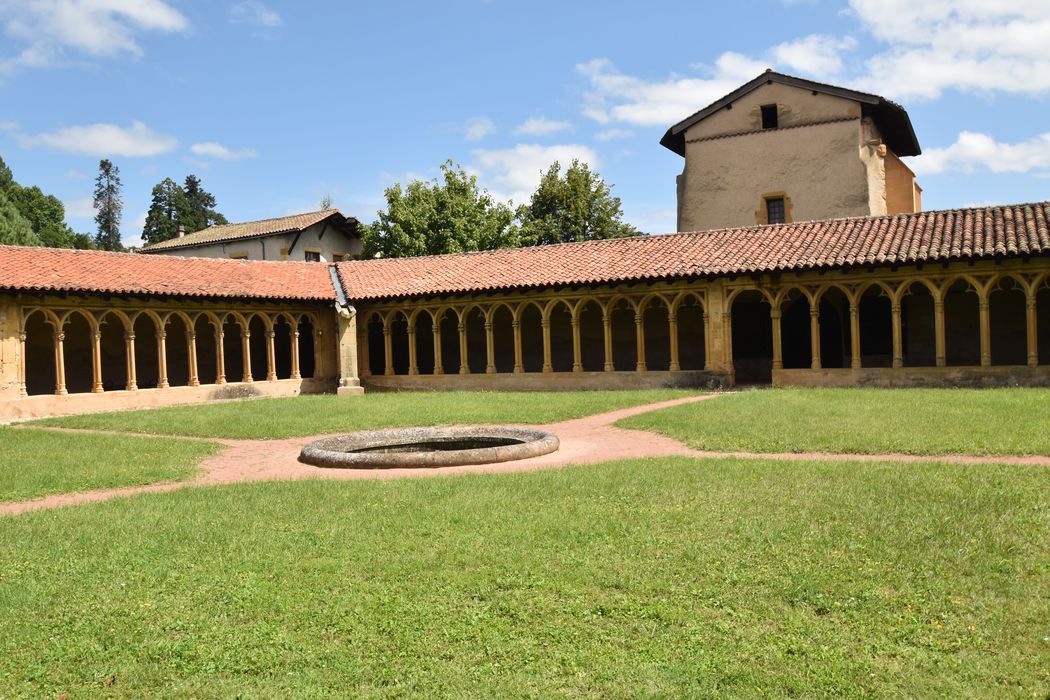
[(583, 441)]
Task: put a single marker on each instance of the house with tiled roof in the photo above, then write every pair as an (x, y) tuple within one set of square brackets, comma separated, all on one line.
[(318, 236), (840, 281)]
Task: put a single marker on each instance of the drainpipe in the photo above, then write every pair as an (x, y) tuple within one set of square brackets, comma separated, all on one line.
[(349, 383)]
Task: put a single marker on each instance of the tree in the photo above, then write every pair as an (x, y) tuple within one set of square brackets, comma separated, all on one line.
[(108, 206), (575, 207), (6, 177), (167, 210), (200, 207), (45, 213), (326, 202), (14, 228), (432, 217)]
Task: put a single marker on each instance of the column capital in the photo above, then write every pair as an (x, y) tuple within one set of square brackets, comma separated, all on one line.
[(61, 335), (515, 324), (162, 335), (22, 336), (128, 336), (271, 334), (773, 313), (488, 325)]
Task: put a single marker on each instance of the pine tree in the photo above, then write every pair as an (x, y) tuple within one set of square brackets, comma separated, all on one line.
[(200, 206), (108, 206), (168, 208)]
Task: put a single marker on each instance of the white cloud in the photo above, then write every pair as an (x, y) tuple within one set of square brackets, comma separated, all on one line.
[(513, 173), (540, 126), (610, 134), (102, 28), (815, 56), (136, 141), (81, 208), (211, 149), (8, 126), (256, 13), (477, 128), (973, 151)]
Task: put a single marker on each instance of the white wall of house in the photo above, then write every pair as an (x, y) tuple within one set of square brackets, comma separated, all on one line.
[(281, 246)]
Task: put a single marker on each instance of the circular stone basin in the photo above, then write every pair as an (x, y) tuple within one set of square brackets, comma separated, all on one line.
[(427, 447)]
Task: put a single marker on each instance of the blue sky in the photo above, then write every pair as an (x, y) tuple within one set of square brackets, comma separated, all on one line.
[(276, 104)]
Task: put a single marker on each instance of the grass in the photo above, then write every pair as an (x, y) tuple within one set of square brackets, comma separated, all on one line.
[(671, 577), (911, 421), (315, 415), (36, 463)]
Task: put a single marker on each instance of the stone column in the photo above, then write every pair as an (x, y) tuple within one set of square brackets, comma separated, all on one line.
[(577, 358), (639, 340), (607, 330), (464, 367), (191, 353), (162, 359), (60, 363), (986, 335), (854, 334), (271, 357), (707, 341), (519, 366), (814, 336), (1033, 330), (388, 350), (490, 349), (413, 364), (129, 353), (220, 356), (940, 350), (22, 364), (96, 363), (438, 362), (672, 329), (296, 370), (545, 323), (727, 344), (246, 353), (778, 350), (346, 336), (898, 344)]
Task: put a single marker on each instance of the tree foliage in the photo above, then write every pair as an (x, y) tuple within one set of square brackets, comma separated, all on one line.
[(109, 207), (14, 228), (43, 213), (172, 205), (450, 215), (576, 206)]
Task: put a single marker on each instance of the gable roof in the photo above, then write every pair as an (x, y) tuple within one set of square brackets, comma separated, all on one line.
[(890, 117), (63, 270), (221, 233), (957, 234)]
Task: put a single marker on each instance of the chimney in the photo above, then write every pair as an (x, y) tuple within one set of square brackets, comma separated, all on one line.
[(182, 230)]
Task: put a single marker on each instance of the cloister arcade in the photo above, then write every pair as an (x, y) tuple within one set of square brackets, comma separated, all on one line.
[(98, 349)]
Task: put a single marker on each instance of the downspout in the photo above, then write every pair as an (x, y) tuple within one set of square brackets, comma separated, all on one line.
[(349, 381)]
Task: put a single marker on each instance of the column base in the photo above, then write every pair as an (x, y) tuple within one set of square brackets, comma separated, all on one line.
[(350, 391)]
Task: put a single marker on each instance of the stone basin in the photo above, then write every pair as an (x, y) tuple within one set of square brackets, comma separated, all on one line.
[(428, 447)]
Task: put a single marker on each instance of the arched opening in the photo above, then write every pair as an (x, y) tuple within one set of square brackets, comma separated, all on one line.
[(282, 347), (962, 324), (477, 346), (795, 331), (376, 345), (918, 327), (207, 350), (177, 351), (592, 337), (1007, 310), (257, 343), (876, 328), (752, 334), (624, 338), (503, 338), (561, 337), (450, 359), (399, 342), (39, 355), (531, 324), (692, 353), (657, 332), (307, 348), (147, 368), (424, 343), (77, 348), (836, 347), (114, 353), (232, 353)]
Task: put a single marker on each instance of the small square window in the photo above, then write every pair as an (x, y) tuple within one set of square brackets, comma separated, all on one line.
[(338, 257), (775, 210), (769, 116), (312, 256)]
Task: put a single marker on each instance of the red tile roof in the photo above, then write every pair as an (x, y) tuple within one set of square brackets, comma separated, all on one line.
[(62, 270), (886, 240), (250, 229)]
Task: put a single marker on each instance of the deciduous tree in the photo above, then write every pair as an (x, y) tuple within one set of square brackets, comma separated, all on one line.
[(14, 228)]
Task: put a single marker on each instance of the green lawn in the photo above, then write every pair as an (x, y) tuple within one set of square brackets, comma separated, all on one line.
[(40, 462), (912, 421), (672, 577), (315, 415)]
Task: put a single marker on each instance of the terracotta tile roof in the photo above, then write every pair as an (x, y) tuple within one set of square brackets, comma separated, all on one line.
[(887, 240), (247, 229), (63, 270)]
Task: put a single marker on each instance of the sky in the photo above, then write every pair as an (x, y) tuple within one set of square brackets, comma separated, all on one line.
[(275, 105)]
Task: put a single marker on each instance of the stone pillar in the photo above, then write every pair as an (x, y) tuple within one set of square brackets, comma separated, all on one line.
[(986, 335), (940, 349), (96, 363), (854, 334), (464, 367), (707, 341), (545, 323), (191, 353), (129, 353), (438, 362), (814, 336), (220, 356), (1033, 330), (672, 329), (349, 382), (246, 353), (727, 344), (490, 349), (162, 359), (271, 357), (607, 330), (60, 363), (577, 357), (519, 366), (22, 364), (778, 350), (388, 350), (898, 344), (296, 369), (413, 364), (639, 340)]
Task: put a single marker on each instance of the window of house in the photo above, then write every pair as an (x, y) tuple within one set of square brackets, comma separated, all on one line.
[(238, 256), (312, 256), (775, 210), (769, 116), (338, 257)]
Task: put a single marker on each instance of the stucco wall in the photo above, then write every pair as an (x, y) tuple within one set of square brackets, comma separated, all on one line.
[(9, 347), (900, 186), (275, 247), (794, 106)]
